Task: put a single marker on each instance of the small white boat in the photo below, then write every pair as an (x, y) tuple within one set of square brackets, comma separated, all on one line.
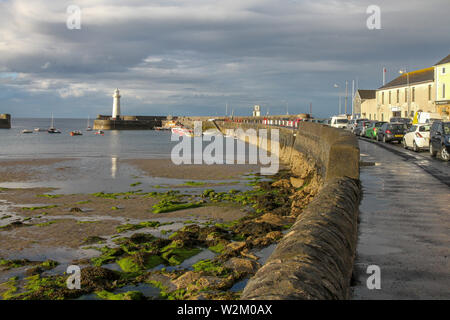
[(27, 131), (52, 129), (100, 132), (76, 133), (88, 125), (39, 130), (183, 131)]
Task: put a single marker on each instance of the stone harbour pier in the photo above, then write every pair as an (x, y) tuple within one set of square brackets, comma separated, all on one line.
[(5, 121)]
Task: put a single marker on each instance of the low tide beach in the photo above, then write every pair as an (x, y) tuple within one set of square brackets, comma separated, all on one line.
[(139, 226)]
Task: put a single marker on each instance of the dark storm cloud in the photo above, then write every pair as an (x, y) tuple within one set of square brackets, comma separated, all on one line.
[(194, 56)]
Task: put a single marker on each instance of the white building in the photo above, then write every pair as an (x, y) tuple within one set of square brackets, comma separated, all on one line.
[(257, 111), (116, 104)]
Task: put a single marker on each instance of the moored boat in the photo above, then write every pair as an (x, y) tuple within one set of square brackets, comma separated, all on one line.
[(76, 133), (52, 128), (27, 131), (183, 131), (89, 128)]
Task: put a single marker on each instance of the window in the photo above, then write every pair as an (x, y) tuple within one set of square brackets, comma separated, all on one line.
[(413, 94), (382, 117), (406, 94), (406, 114), (390, 97), (398, 96), (443, 70), (429, 92), (443, 90), (382, 98)]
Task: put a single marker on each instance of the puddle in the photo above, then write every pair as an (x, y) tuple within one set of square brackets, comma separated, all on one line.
[(264, 254), (239, 286)]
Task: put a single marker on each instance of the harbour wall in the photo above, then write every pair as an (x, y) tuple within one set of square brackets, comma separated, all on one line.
[(314, 260), (128, 123), (5, 121)]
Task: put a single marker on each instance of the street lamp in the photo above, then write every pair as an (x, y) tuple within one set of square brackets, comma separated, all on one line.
[(407, 91), (339, 96)]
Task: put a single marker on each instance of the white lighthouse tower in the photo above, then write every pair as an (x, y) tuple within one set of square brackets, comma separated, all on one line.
[(116, 104)]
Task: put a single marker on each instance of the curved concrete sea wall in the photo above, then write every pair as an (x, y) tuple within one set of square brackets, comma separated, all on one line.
[(314, 260), (5, 121)]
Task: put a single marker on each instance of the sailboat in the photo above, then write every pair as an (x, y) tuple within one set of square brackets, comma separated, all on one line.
[(52, 129), (88, 125)]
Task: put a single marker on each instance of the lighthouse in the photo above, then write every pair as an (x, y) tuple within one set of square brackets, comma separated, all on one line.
[(116, 105)]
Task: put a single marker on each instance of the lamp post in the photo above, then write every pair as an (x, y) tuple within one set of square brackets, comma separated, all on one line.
[(339, 96), (407, 90)]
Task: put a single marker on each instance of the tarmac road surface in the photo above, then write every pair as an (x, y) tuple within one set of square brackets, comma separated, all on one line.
[(404, 224)]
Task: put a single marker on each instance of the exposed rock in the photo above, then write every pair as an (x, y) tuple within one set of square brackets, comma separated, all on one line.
[(283, 183), (297, 182), (254, 229), (242, 266), (76, 209), (275, 220), (98, 278), (196, 281), (235, 246)]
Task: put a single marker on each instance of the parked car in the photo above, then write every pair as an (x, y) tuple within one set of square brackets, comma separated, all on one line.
[(440, 140), (354, 123), (361, 127), (389, 132), (340, 122), (371, 130), (417, 137), (407, 121)]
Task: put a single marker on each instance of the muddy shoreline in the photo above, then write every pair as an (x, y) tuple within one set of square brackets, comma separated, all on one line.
[(194, 240)]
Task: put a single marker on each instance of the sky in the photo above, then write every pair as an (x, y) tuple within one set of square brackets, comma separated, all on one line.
[(193, 57)]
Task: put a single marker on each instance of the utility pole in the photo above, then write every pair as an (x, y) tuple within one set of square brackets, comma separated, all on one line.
[(310, 109), (346, 96), (287, 108), (353, 97), (226, 110)]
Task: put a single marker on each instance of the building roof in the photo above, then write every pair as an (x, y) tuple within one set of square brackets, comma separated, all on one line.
[(367, 94), (423, 75), (443, 61)]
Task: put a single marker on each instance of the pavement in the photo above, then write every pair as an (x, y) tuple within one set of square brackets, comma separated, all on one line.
[(404, 224)]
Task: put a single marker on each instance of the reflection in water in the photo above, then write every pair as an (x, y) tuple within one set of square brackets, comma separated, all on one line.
[(113, 167)]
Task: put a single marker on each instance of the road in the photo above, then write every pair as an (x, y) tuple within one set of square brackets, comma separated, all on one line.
[(404, 224)]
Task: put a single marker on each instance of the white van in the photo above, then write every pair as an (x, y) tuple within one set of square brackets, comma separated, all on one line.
[(340, 121)]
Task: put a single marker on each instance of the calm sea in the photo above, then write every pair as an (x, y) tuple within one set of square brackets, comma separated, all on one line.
[(121, 144)]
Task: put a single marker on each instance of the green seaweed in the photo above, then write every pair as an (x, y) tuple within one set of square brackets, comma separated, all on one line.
[(45, 224), (166, 205), (50, 196), (141, 225), (135, 184), (193, 183), (211, 267), (130, 295), (39, 208), (175, 253), (133, 264), (218, 248)]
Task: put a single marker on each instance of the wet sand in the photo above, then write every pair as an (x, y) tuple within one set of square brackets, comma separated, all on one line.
[(42, 223), (165, 168)]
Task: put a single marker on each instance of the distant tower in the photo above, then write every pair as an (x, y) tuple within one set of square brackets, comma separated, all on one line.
[(257, 111), (116, 104)]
